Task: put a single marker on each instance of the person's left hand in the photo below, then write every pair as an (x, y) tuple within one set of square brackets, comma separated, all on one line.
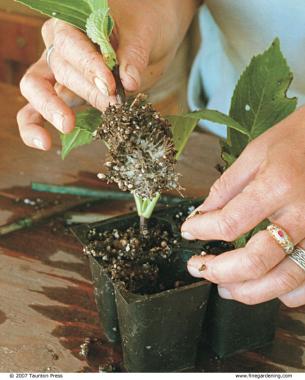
[(266, 181)]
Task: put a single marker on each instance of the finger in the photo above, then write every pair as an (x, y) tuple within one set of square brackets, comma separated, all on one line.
[(47, 31), (295, 298), (69, 97), (234, 179), (133, 54), (31, 130), (257, 258), (257, 201), (284, 278), (37, 86), (66, 75), (75, 48)]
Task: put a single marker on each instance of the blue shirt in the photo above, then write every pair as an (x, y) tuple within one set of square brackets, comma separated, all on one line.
[(232, 32)]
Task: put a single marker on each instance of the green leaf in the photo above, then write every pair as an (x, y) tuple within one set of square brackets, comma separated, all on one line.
[(259, 100), (99, 28), (242, 240), (91, 16), (183, 125), (221, 118), (74, 12), (98, 4), (86, 124), (228, 158)]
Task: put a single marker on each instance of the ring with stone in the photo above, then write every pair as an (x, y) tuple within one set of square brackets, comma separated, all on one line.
[(298, 256), (48, 53), (281, 237)]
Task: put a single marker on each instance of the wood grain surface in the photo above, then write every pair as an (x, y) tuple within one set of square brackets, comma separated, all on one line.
[(46, 297)]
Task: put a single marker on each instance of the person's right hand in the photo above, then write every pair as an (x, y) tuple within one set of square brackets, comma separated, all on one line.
[(146, 38)]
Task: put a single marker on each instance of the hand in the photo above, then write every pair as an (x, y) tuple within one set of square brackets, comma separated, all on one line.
[(266, 181), (146, 38)]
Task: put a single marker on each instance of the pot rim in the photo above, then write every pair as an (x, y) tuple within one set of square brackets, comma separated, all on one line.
[(135, 297)]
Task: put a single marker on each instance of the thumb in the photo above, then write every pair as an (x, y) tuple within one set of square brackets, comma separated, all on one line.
[(133, 55)]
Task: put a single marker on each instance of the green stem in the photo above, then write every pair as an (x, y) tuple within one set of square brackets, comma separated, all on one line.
[(150, 206), (145, 207), (102, 194), (41, 215), (139, 202)]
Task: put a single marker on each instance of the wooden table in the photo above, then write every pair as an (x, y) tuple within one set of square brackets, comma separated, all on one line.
[(46, 298)]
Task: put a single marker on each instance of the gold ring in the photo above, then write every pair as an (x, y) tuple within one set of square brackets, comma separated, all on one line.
[(281, 237)]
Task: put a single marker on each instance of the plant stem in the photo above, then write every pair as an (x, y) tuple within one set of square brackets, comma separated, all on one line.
[(143, 225), (41, 215), (139, 202), (82, 191), (150, 206), (145, 208), (87, 192), (119, 86)]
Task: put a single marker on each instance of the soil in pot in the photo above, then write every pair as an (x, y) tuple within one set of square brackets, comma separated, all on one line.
[(158, 308)]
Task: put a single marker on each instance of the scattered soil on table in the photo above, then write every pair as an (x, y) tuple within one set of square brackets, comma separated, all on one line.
[(90, 349), (38, 203)]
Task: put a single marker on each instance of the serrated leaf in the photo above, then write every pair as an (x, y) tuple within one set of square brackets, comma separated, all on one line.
[(99, 27), (91, 16), (183, 125), (259, 100), (74, 12), (86, 124)]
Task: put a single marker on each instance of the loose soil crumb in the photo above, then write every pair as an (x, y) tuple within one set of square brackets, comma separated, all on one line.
[(37, 203)]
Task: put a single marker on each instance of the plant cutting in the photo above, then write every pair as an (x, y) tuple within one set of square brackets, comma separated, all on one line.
[(138, 263)]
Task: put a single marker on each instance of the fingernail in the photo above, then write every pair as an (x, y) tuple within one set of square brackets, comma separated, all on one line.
[(58, 121), (133, 73), (113, 100), (224, 293), (187, 235), (38, 143), (102, 86)]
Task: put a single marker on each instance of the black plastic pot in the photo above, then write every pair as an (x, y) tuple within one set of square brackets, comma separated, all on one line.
[(232, 327), (105, 301), (160, 332)]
